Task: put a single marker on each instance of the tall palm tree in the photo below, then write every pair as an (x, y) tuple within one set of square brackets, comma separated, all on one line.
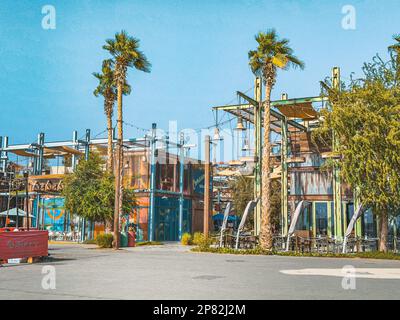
[(395, 49), (271, 54), (126, 54), (108, 90)]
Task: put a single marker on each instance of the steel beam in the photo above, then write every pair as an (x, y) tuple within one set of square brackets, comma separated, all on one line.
[(337, 194), (254, 103), (274, 103), (135, 142), (285, 102), (284, 177)]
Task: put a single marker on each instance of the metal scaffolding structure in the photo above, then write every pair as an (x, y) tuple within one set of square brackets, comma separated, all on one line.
[(77, 148), (284, 122)]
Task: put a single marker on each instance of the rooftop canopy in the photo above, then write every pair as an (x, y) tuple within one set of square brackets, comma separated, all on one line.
[(13, 212)]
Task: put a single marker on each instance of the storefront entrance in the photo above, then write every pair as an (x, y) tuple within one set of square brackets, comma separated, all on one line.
[(167, 218)]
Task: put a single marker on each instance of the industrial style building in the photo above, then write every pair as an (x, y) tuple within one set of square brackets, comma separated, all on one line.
[(169, 186), (298, 163)]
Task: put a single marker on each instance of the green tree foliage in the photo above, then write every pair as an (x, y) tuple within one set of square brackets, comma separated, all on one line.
[(107, 88), (394, 51), (365, 117), (242, 189), (89, 191)]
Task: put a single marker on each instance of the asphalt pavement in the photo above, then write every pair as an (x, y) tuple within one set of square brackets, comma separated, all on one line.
[(172, 271)]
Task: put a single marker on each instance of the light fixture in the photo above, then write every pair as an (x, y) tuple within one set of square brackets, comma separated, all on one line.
[(240, 126), (217, 136), (246, 146)]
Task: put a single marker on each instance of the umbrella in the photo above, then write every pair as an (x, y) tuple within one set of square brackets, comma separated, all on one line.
[(220, 216), (13, 212)]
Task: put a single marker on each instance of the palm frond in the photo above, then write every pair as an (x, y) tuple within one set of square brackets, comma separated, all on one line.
[(274, 51), (126, 53), (395, 47)]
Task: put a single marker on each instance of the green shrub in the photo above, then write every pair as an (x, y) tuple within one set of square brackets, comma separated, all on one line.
[(255, 251), (362, 255), (90, 241), (200, 240), (186, 239), (105, 240), (149, 243), (197, 238), (260, 251)]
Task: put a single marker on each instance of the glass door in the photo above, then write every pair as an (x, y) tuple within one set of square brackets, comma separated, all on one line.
[(321, 219)]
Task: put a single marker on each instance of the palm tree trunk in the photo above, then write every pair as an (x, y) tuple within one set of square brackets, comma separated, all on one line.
[(108, 225), (383, 230), (265, 228), (109, 143), (121, 162), (118, 169)]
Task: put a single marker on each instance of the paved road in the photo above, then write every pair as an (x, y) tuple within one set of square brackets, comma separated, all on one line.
[(173, 272)]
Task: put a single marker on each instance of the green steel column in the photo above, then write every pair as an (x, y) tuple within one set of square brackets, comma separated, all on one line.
[(395, 235), (257, 152), (357, 227), (330, 213), (284, 176), (337, 196)]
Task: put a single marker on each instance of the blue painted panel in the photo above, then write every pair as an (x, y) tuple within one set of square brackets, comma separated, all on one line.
[(166, 222), (54, 212), (198, 180)]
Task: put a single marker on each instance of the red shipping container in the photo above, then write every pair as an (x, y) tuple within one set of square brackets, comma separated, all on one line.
[(23, 244)]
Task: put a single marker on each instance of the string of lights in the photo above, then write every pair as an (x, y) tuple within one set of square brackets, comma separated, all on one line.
[(219, 122)]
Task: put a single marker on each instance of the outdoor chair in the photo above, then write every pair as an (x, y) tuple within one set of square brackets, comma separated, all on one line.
[(224, 223), (300, 244), (249, 208), (69, 236), (353, 244), (320, 244), (370, 244), (247, 241), (279, 242)]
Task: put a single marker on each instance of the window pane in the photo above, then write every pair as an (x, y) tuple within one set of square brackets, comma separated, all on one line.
[(321, 218)]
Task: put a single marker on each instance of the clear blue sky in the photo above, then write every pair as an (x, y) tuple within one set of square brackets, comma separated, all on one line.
[(198, 50)]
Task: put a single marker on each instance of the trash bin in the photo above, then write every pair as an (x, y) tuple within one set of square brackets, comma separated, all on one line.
[(124, 239), (131, 239)]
